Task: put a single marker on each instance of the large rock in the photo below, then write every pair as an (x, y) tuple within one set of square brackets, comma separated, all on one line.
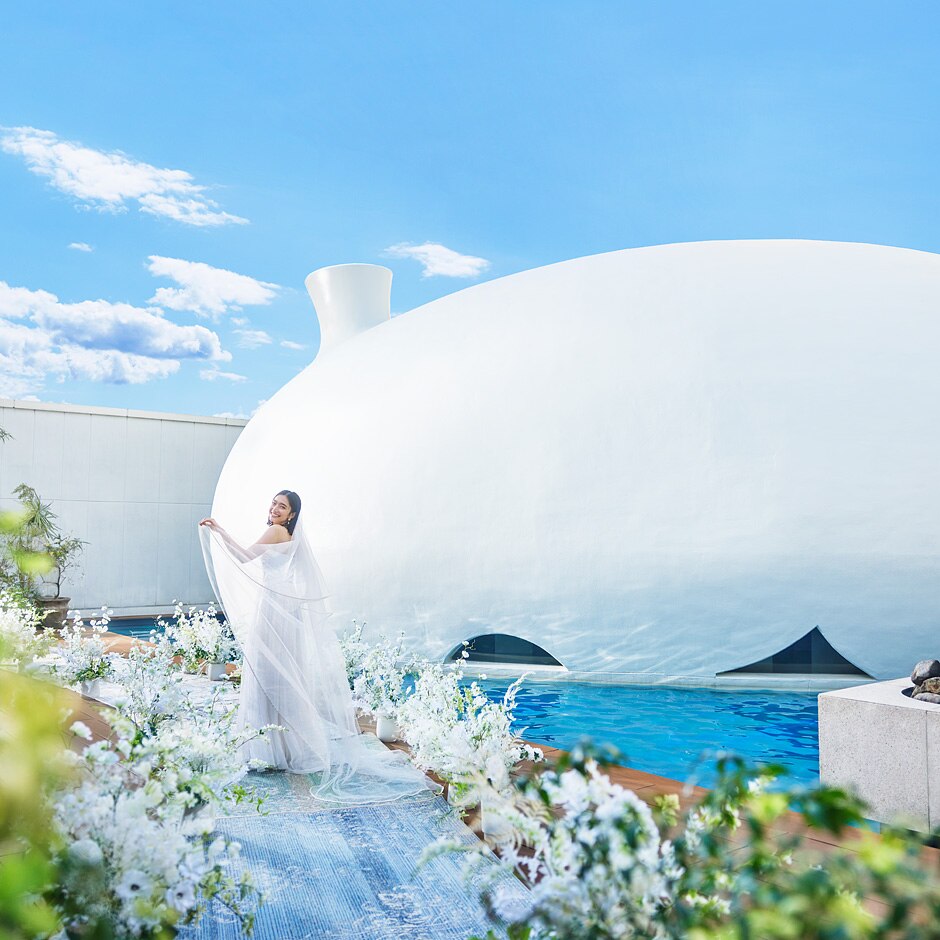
[(930, 697), (924, 670)]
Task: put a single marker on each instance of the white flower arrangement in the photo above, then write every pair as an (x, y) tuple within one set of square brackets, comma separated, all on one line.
[(198, 755), (595, 861), (355, 650), (462, 735), (379, 684), (81, 655), (134, 857), (20, 643), (151, 684), (198, 636)]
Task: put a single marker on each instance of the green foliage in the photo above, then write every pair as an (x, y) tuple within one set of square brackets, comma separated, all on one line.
[(746, 863), (32, 546), (32, 762)]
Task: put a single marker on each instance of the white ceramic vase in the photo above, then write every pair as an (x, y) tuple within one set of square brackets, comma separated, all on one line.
[(386, 729), (215, 671), (494, 827), (91, 688)]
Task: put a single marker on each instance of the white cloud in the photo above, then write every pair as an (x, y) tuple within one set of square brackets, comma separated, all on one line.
[(97, 340), (239, 321), (205, 290), (80, 246), (439, 261), (230, 414), (210, 375), (109, 181), (252, 339), (290, 344), (30, 355)]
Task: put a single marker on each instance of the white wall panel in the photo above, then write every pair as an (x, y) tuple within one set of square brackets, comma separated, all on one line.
[(131, 484), (177, 443), (176, 530), (76, 457), (209, 452), (142, 460), (16, 455), (48, 474), (106, 449), (141, 555)]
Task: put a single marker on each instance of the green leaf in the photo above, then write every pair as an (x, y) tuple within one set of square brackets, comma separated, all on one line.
[(33, 563)]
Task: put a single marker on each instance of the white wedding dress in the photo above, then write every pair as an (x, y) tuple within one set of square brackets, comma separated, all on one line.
[(293, 675)]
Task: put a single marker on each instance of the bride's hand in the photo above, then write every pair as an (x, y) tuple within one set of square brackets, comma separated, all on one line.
[(210, 523)]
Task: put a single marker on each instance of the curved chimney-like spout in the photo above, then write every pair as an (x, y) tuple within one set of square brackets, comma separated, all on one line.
[(349, 299)]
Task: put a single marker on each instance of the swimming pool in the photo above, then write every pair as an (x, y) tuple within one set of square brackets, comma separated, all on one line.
[(666, 730), (137, 627), (661, 729)]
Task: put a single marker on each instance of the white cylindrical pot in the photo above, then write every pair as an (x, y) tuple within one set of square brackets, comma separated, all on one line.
[(215, 671), (386, 729), (91, 688), (349, 299), (495, 828)]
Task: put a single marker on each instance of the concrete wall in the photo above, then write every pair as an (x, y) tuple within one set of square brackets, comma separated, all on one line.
[(885, 746), (132, 484)]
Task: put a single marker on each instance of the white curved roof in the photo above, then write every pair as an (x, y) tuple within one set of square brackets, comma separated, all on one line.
[(674, 460)]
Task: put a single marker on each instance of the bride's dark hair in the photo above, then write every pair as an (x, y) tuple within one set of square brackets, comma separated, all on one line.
[(294, 501)]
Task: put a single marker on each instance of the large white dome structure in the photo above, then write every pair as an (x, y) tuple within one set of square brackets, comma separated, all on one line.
[(667, 461)]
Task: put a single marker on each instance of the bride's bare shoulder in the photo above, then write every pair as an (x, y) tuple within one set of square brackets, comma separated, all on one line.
[(273, 535)]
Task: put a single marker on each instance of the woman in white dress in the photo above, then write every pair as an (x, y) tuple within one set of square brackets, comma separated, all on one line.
[(293, 674)]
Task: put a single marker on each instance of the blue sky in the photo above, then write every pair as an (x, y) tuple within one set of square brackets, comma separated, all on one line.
[(205, 157)]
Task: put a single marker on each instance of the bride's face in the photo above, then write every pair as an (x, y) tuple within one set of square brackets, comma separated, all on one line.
[(280, 512)]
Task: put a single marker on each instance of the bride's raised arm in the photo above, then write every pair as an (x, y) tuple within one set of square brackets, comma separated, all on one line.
[(271, 536)]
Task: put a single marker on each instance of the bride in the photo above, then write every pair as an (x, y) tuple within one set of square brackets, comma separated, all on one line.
[(293, 674)]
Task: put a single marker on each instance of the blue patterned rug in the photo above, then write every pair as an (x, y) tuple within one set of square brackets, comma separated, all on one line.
[(351, 873)]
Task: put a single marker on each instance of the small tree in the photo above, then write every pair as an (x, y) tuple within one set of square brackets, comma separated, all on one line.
[(32, 546)]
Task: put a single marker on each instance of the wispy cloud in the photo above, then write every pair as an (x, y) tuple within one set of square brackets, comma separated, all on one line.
[(111, 180), (97, 340), (290, 344), (252, 339), (241, 414), (80, 246), (210, 375), (205, 290), (438, 260)]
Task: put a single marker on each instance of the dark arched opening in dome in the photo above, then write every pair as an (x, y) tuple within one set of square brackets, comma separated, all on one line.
[(503, 648), (811, 654)]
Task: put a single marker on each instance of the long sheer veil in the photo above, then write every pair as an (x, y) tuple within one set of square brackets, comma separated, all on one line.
[(294, 674)]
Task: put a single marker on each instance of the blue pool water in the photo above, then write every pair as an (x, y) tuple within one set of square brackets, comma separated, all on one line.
[(674, 732), (138, 627), (660, 729)]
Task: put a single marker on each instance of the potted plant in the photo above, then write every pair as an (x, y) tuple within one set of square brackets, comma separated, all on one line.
[(200, 637), (82, 658), (35, 554), (378, 677)]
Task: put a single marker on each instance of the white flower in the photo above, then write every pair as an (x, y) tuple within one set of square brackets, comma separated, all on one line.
[(19, 641), (181, 897), (86, 851), (134, 884), (81, 730)]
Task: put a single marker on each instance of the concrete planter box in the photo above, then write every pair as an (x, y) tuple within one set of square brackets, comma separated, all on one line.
[(885, 746)]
